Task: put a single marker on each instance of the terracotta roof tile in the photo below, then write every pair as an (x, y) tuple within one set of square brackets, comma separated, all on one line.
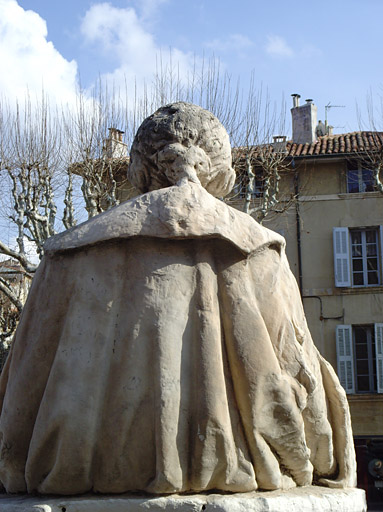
[(355, 142)]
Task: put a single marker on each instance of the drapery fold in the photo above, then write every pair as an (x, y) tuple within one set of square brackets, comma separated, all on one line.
[(169, 364)]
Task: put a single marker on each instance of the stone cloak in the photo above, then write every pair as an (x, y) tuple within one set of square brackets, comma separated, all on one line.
[(163, 348)]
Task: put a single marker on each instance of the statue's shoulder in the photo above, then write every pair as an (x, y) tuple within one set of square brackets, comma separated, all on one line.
[(188, 211)]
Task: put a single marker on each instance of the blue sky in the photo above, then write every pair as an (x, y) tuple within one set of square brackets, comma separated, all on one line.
[(330, 51)]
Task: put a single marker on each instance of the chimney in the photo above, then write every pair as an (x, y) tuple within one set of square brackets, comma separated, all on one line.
[(114, 147), (279, 143), (304, 120)]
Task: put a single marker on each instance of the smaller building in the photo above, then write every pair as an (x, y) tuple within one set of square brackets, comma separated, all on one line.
[(105, 174)]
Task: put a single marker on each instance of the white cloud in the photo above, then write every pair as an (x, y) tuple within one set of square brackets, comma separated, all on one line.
[(28, 60), (121, 35), (277, 47), (233, 43), (118, 32)]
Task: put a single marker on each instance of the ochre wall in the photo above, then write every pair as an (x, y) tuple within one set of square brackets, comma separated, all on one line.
[(324, 204)]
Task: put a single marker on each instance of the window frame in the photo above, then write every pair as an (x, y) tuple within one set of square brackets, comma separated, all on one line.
[(343, 258), (359, 169), (347, 361), (371, 358), (364, 257)]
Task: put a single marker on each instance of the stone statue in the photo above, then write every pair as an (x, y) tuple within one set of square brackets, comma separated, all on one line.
[(163, 347)]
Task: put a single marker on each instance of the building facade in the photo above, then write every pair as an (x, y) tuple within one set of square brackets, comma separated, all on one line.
[(334, 235)]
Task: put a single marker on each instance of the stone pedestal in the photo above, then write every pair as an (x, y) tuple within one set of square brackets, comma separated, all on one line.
[(301, 499)]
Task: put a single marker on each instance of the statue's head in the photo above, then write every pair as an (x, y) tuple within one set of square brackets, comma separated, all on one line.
[(179, 142)]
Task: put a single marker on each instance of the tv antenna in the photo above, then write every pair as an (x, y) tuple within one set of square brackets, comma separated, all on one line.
[(327, 108)]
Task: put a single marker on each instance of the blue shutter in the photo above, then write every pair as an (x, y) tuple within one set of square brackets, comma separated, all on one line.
[(379, 356), (341, 257), (344, 352)]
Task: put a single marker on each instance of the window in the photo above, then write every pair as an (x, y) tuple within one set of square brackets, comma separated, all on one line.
[(360, 357), (360, 180), (364, 257), (359, 177), (241, 187), (365, 358), (358, 256)]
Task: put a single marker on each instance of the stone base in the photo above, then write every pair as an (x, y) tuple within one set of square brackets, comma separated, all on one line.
[(295, 500)]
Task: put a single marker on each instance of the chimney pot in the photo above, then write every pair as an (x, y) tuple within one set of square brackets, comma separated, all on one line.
[(279, 143), (296, 99)]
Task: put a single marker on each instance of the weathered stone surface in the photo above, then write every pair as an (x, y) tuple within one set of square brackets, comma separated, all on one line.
[(182, 142), (313, 499), (164, 348)]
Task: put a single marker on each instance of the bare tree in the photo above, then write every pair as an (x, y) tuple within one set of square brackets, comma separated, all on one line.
[(256, 128), (370, 143), (44, 152), (94, 148), (259, 155), (30, 159), (30, 150), (56, 162)]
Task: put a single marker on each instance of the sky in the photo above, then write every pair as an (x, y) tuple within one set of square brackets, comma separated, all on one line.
[(330, 51)]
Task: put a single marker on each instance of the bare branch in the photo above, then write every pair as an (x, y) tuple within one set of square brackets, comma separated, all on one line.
[(20, 257), (8, 292)]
